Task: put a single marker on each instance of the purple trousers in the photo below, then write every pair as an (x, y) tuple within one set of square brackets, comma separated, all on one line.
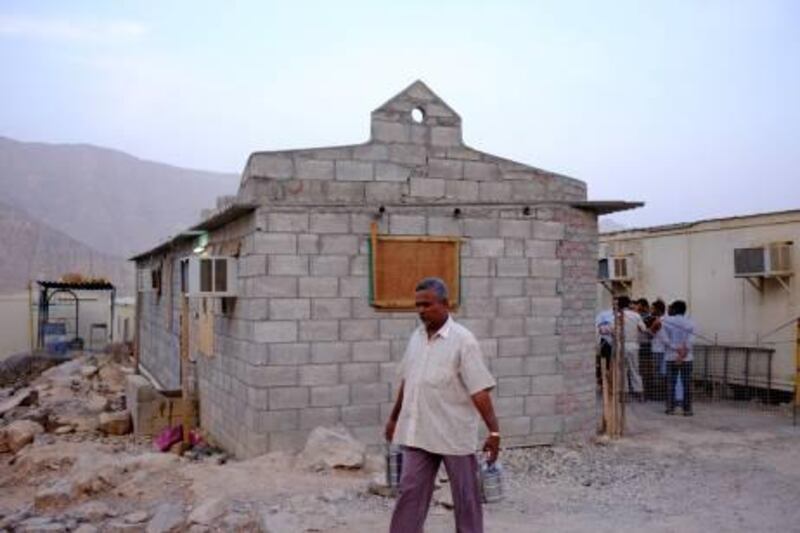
[(416, 489)]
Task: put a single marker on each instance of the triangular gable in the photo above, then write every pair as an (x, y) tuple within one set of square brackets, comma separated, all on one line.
[(417, 95)]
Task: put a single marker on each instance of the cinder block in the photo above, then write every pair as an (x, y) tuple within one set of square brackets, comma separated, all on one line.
[(508, 326), (330, 222), (513, 307), (548, 231), (275, 243), (271, 376), (547, 385), (445, 136), (449, 169), (308, 244), (480, 171), (515, 248), (318, 287), (275, 331), (541, 287), (385, 192), (371, 351), (518, 229), (390, 132), (314, 169), (328, 265), (289, 308), (360, 329), (480, 327), (546, 306), (540, 249), (354, 287), (541, 325), (487, 247), (361, 415), (495, 191), (289, 354), (369, 393), (548, 424), (319, 330), (427, 187), (509, 406), (546, 268), (512, 267), (446, 226), (330, 395), (541, 365), (312, 417), (330, 352), (276, 421), (319, 375), (287, 265), (541, 405), (391, 172), (354, 171), (474, 266), (277, 166), (407, 224), (372, 152), (514, 347), (339, 245), (507, 366), (288, 398), (359, 372), (462, 191), (407, 154), (515, 426), (326, 308), (514, 386), (481, 227)]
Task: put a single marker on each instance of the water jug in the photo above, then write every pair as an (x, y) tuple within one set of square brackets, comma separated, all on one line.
[(491, 482), (394, 465)]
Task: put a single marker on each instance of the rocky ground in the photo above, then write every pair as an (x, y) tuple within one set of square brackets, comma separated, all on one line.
[(68, 464)]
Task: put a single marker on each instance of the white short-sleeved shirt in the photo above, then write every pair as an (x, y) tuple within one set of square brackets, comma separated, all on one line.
[(441, 374)]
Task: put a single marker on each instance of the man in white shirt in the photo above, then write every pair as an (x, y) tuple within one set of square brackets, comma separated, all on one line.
[(444, 386), (633, 326)]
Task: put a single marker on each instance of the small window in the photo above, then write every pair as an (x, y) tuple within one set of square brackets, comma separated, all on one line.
[(184, 276), (221, 275), (205, 275)]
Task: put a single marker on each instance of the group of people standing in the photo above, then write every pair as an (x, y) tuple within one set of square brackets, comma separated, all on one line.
[(664, 333)]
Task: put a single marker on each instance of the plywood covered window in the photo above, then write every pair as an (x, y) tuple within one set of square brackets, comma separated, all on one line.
[(398, 263)]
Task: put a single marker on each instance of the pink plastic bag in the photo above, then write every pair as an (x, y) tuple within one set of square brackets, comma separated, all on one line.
[(168, 437)]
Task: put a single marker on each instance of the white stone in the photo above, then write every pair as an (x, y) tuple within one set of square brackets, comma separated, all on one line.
[(332, 448)]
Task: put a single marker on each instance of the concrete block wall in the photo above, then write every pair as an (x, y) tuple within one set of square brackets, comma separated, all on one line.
[(302, 347)]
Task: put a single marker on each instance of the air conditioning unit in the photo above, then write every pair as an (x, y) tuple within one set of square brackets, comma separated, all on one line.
[(615, 268), (209, 276), (774, 259)]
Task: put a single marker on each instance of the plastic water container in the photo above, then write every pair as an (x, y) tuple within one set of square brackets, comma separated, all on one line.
[(394, 465), (491, 482)]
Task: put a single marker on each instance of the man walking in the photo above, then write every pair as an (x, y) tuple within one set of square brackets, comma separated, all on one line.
[(679, 333), (444, 386)]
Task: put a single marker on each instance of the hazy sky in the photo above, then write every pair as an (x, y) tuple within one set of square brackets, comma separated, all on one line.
[(690, 106)]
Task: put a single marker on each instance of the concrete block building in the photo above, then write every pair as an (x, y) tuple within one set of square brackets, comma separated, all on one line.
[(302, 344)]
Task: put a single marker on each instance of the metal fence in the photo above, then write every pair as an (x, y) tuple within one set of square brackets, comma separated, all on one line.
[(739, 375)]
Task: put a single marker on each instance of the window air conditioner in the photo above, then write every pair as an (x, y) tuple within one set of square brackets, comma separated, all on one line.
[(774, 259), (209, 276), (615, 269)]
